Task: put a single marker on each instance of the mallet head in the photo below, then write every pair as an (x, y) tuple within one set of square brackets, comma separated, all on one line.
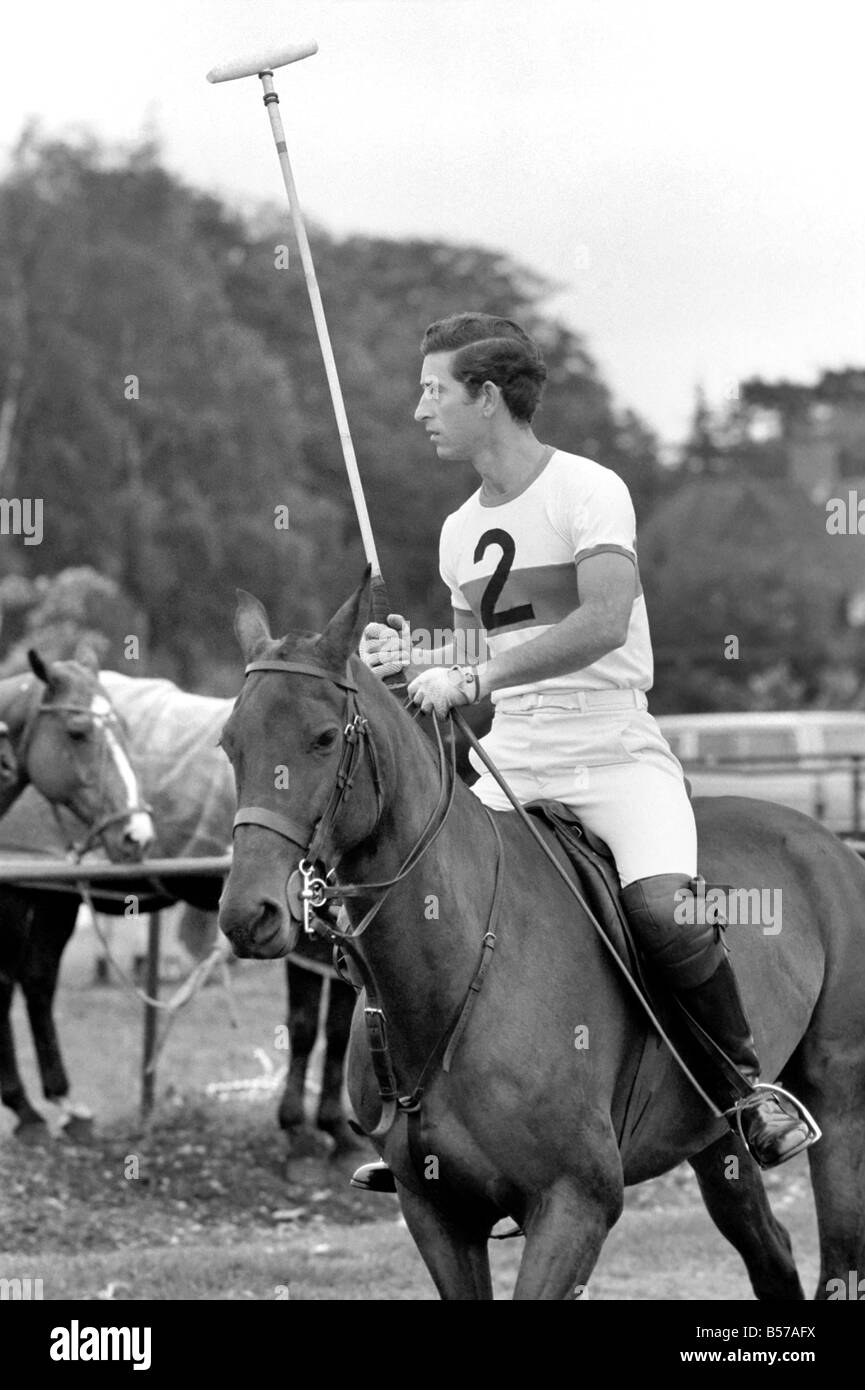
[(265, 60)]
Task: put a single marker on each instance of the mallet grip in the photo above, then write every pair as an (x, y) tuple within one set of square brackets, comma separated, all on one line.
[(380, 607), (262, 61), (379, 601)]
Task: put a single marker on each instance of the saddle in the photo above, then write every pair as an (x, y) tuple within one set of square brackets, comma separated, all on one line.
[(594, 869)]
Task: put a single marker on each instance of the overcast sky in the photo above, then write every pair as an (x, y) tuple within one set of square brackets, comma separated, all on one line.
[(691, 173)]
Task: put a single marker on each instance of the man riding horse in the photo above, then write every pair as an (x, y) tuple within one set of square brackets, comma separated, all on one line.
[(542, 568)]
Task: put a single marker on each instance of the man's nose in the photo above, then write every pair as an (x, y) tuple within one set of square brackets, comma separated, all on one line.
[(423, 411)]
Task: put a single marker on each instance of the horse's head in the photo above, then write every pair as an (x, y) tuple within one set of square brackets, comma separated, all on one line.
[(73, 749), (288, 741)]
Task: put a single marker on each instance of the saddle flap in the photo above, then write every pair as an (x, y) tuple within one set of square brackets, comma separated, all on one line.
[(594, 867)]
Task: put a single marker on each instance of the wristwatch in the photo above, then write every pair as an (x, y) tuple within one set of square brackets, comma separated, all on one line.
[(466, 677)]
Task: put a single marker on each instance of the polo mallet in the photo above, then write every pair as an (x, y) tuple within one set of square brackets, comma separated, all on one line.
[(262, 64)]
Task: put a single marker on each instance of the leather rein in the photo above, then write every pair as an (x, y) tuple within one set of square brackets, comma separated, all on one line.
[(319, 887)]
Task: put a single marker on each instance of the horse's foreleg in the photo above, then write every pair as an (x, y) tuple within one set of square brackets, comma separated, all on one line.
[(331, 1117), (736, 1200), (564, 1234), (40, 967), (457, 1260), (304, 997), (12, 1092)]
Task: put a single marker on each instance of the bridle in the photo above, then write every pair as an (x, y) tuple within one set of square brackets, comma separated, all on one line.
[(357, 737), (104, 719), (318, 888)]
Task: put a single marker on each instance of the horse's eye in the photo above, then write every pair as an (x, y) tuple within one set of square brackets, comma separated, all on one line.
[(79, 735), (325, 740)]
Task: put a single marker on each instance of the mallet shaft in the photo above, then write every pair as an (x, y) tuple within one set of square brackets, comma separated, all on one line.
[(271, 101)]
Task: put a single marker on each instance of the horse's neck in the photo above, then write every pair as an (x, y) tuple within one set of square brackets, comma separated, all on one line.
[(425, 940), (16, 703), (16, 710)]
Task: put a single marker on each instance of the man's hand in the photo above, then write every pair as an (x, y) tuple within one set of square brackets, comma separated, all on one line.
[(441, 688), (386, 647)]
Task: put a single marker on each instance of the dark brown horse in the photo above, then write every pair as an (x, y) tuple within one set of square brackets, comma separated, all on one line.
[(521, 1124)]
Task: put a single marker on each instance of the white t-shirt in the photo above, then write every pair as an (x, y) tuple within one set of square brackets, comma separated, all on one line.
[(515, 563)]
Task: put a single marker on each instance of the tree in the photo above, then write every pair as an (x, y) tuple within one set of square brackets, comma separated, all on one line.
[(164, 394)]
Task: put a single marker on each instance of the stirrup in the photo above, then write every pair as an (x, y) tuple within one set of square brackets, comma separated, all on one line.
[(753, 1099)]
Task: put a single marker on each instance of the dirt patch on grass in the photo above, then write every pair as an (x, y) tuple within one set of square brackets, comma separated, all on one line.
[(202, 1170)]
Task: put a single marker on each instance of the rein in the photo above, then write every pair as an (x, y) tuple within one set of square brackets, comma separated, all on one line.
[(316, 890)]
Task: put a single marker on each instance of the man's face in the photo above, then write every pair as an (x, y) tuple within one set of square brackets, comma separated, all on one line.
[(452, 420)]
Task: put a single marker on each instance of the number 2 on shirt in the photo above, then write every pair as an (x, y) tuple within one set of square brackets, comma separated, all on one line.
[(498, 579)]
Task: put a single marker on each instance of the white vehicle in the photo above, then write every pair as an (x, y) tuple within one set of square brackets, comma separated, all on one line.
[(812, 760)]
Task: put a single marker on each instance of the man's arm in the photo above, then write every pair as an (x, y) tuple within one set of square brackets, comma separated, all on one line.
[(467, 649), (598, 626)]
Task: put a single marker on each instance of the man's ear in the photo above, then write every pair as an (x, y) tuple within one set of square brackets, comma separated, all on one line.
[(8, 760), (341, 636), (251, 624), (490, 397)]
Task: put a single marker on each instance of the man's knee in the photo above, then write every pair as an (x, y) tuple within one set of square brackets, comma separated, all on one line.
[(685, 953)]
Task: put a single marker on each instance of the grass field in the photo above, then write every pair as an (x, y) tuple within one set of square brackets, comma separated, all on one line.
[(202, 1204)]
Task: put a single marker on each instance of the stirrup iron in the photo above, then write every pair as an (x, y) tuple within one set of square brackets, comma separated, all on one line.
[(753, 1098)]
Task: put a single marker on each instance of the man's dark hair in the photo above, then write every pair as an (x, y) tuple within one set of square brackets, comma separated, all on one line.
[(489, 348)]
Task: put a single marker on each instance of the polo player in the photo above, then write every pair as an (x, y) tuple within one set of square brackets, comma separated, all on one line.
[(541, 565)]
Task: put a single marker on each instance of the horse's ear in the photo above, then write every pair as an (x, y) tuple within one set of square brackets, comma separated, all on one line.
[(342, 634), (39, 668), (251, 624)]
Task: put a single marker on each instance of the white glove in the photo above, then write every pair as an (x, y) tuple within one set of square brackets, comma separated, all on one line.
[(440, 688), (386, 647)]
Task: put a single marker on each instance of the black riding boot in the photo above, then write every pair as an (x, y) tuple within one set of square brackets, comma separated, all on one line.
[(374, 1177), (693, 963)]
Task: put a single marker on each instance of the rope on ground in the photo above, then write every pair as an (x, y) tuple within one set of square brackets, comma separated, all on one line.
[(185, 991)]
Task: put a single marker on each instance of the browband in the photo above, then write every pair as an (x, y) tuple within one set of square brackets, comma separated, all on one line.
[(302, 669)]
